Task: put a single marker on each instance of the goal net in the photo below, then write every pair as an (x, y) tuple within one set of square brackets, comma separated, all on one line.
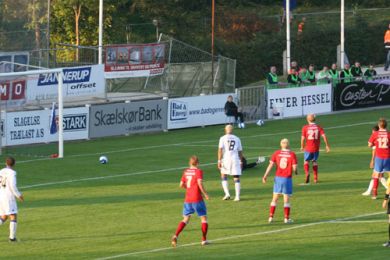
[(31, 106)]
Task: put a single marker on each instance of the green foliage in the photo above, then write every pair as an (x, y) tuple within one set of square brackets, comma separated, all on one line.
[(81, 209)]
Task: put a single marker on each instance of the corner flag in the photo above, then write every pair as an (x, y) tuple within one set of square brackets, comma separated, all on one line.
[(53, 123)]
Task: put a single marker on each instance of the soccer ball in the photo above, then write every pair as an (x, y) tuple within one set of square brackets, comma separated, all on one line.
[(103, 159), (260, 122)]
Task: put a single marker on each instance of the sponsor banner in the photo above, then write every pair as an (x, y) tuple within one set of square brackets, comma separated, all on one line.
[(13, 92), (29, 127), (128, 118), (141, 60), (362, 94), (291, 102), (197, 111), (78, 81)]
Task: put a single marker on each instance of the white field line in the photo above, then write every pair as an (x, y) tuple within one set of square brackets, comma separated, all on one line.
[(188, 143), (293, 227), (359, 221)]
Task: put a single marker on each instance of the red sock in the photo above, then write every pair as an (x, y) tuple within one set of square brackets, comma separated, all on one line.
[(205, 227), (287, 212), (272, 210), (306, 169), (315, 172), (180, 228), (375, 187)]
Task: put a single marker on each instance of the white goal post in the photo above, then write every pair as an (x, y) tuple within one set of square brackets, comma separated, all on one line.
[(59, 73)]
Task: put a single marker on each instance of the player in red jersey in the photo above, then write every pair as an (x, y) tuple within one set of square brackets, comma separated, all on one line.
[(381, 140), (192, 182), (286, 163), (310, 144)]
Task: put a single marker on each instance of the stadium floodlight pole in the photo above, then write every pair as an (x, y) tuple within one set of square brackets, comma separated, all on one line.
[(288, 39), (100, 32), (212, 44), (60, 116), (342, 39)]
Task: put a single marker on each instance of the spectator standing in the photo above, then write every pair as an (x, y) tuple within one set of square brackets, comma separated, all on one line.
[(345, 74), (293, 79), (323, 76), (387, 47), (370, 72), (334, 74), (356, 70), (272, 78)]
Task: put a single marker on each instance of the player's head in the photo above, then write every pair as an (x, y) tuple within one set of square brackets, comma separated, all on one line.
[(375, 128), (285, 143), (311, 118), (228, 129), (10, 161), (194, 160), (382, 123)]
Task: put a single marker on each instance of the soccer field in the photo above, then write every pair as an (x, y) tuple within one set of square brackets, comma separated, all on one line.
[(76, 208)]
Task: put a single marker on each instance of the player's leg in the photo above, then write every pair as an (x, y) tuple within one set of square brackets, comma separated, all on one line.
[(306, 166), (12, 227), (383, 180), (287, 209), (272, 207), (315, 166), (375, 184), (3, 219), (225, 186), (187, 211), (237, 187), (387, 244), (201, 210), (369, 189)]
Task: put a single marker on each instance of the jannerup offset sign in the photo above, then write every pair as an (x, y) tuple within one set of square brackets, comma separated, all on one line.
[(141, 60), (362, 94)]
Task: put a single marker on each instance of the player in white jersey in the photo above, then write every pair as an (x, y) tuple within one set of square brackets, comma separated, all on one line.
[(229, 161), (8, 195)]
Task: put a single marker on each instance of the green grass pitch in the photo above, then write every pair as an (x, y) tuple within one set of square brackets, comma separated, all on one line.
[(76, 208)]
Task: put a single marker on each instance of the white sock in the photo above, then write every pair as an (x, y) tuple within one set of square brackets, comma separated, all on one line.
[(237, 186), (383, 181), (225, 186), (12, 229), (369, 189)]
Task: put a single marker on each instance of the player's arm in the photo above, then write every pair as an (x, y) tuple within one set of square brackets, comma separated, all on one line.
[(240, 154), (267, 172), (220, 152), (327, 147), (295, 169), (183, 185), (14, 188), (372, 158), (302, 142), (202, 189)]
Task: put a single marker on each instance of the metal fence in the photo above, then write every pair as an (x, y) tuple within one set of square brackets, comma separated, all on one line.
[(252, 101)]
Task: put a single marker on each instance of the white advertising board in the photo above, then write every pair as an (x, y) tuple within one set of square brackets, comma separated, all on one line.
[(29, 127), (299, 101), (78, 81), (197, 111)]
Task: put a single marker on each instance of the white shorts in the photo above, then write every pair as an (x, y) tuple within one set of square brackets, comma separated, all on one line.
[(231, 167), (8, 207)]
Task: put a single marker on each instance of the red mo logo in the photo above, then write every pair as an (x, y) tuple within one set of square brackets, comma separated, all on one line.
[(12, 90)]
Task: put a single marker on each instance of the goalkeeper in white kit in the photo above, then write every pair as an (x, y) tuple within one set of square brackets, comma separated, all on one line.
[(8, 195)]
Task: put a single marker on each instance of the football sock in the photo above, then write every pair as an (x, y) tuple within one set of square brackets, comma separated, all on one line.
[(389, 231), (225, 186), (205, 227), (287, 210), (369, 189), (315, 171), (384, 182), (306, 169), (375, 187), (180, 228), (12, 229), (272, 209), (237, 186)]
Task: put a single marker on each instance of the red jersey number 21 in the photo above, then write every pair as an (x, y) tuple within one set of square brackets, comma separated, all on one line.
[(312, 134)]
